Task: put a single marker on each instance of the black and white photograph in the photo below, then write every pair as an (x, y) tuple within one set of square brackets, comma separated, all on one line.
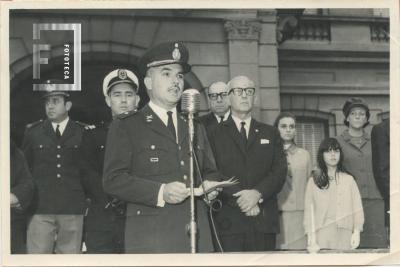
[(254, 133)]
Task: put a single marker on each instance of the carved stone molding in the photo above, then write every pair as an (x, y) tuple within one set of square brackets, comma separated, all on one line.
[(243, 29)]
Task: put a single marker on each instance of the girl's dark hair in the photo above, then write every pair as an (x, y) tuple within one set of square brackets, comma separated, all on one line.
[(284, 115), (321, 178)]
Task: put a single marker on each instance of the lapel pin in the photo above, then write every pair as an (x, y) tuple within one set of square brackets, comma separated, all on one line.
[(256, 130)]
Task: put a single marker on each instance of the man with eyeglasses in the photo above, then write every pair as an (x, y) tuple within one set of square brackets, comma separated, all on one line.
[(51, 149), (252, 152), (219, 106)]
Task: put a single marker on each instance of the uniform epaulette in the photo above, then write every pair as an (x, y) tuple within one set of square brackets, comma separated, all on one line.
[(33, 124), (126, 114), (85, 125)]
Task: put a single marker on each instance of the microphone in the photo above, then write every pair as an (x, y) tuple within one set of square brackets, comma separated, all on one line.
[(190, 105), (190, 101)]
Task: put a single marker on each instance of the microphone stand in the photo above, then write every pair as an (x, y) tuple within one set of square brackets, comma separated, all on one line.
[(192, 223)]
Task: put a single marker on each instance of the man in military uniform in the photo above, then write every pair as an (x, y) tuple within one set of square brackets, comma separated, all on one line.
[(253, 152), (105, 221), (51, 148), (147, 161), (219, 105)]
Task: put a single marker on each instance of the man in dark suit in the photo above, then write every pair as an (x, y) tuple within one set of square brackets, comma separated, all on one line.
[(147, 161), (380, 144), (253, 153), (21, 194), (105, 220), (219, 106), (51, 148)]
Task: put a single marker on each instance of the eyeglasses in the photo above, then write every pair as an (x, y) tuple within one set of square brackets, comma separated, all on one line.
[(215, 96), (239, 91)]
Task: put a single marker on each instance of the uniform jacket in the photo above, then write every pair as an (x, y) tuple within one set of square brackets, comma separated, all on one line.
[(141, 154), (380, 144), (261, 165), (21, 182), (54, 165), (92, 151), (291, 197), (358, 161), (349, 209)]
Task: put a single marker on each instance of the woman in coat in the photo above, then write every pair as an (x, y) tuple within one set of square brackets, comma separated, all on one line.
[(291, 198), (356, 145)]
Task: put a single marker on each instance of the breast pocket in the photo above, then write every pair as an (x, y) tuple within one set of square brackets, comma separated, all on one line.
[(153, 160)]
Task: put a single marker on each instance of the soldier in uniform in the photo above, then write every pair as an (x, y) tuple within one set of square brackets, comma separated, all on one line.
[(105, 221), (147, 161), (51, 148), (22, 188), (219, 106)]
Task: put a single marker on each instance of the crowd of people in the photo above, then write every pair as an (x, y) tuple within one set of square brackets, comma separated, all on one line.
[(123, 186)]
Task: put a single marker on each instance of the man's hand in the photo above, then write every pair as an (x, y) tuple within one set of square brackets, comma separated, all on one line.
[(254, 211), (355, 239), (213, 194), (175, 192), (14, 202), (247, 199)]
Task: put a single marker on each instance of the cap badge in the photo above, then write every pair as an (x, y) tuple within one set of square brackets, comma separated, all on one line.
[(176, 54), (122, 74)]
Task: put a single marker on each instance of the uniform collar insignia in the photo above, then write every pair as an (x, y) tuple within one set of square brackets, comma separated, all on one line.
[(149, 118)]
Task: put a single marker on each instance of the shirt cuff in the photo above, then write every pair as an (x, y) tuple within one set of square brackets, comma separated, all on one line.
[(160, 199)]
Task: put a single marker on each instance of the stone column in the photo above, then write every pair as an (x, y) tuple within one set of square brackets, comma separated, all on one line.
[(253, 52), (243, 36)]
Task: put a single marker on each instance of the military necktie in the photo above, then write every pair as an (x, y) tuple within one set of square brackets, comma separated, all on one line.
[(170, 124), (221, 119), (58, 133), (243, 132)]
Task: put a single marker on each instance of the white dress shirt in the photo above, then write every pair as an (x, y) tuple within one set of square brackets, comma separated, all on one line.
[(62, 124), (239, 125), (226, 115)]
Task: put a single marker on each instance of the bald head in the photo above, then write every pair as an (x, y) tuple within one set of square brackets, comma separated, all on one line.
[(240, 80), (218, 98)]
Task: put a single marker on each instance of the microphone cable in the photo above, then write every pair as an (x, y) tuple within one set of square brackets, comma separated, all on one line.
[(210, 203)]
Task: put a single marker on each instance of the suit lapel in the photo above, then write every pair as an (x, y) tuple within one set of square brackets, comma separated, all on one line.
[(49, 131), (68, 131), (155, 123), (234, 133), (183, 130), (253, 133)]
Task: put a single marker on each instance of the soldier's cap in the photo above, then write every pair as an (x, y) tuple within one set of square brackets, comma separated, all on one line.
[(353, 103), (165, 54), (120, 76), (52, 88)]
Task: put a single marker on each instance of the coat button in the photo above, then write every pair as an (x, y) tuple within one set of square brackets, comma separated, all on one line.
[(58, 175), (138, 212), (58, 146), (58, 156), (179, 148), (58, 165), (40, 146), (182, 163), (152, 147), (102, 147), (185, 177)]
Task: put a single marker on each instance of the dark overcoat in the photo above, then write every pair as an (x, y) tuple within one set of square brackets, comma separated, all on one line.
[(141, 154), (260, 165)]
